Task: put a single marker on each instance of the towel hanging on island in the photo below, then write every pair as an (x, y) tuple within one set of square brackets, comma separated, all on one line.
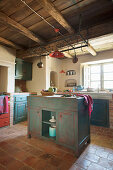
[(3, 104), (88, 101)]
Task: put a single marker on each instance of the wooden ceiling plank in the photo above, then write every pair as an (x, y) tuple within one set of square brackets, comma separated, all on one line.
[(9, 43), (7, 20), (95, 31), (56, 14), (12, 7)]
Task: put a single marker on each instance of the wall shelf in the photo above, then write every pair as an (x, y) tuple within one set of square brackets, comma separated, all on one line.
[(70, 72)]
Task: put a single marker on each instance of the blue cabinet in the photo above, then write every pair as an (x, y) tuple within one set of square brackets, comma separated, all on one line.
[(100, 113), (20, 108), (23, 70), (20, 112)]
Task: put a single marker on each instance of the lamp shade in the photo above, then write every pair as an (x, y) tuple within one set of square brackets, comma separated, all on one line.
[(62, 71), (56, 54)]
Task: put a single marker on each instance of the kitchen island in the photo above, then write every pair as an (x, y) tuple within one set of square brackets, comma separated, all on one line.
[(72, 120)]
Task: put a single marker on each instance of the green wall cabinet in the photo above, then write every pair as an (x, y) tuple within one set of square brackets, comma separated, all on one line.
[(100, 113), (23, 70)]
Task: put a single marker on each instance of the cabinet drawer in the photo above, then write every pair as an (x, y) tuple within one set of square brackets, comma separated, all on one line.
[(20, 98), (4, 115), (4, 122)]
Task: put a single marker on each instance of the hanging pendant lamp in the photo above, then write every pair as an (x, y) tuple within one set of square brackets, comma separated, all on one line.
[(56, 54)]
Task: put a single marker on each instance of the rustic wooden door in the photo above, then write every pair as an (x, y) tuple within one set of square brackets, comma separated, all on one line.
[(65, 128)]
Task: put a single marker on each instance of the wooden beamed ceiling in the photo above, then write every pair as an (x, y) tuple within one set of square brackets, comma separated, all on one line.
[(9, 43), (95, 31), (21, 28)]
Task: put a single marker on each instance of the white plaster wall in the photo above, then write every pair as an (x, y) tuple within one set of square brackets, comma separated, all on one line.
[(3, 79), (68, 65), (7, 58), (41, 76), (38, 81), (52, 64)]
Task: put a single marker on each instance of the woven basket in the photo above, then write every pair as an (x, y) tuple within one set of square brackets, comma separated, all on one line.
[(47, 93)]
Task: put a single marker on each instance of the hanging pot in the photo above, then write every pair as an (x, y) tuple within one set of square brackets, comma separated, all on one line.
[(40, 64), (75, 59)]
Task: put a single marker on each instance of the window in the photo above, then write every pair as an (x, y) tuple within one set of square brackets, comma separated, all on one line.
[(99, 76)]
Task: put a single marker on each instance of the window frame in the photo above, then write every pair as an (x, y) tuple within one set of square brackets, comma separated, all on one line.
[(102, 80)]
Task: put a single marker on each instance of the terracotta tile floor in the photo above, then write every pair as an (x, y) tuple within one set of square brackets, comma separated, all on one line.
[(17, 152)]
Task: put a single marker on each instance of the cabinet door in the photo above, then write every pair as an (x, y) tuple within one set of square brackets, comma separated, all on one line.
[(18, 70), (20, 111), (23, 70), (65, 129), (100, 113), (34, 122), (28, 71)]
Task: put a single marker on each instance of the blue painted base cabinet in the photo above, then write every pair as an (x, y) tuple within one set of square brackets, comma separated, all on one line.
[(72, 120), (100, 113), (20, 108)]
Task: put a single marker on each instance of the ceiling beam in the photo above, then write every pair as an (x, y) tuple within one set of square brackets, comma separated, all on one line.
[(67, 54), (56, 14), (91, 50), (9, 43), (21, 29), (94, 32)]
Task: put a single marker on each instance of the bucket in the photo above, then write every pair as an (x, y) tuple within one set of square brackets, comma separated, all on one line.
[(52, 131)]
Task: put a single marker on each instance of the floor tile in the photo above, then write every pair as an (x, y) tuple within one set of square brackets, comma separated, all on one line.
[(92, 157), (16, 150), (83, 163), (94, 166), (105, 163), (110, 157)]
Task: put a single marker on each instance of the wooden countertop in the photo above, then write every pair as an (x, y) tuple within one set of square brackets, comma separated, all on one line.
[(94, 95), (22, 93)]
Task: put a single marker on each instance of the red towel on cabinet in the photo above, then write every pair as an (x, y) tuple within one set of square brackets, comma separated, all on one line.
[(1, 104), (88, 101), (5, 104)]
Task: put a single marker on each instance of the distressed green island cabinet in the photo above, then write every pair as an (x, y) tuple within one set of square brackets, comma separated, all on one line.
[(72, 120)]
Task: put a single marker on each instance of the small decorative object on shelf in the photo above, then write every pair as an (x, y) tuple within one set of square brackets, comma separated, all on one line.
[(70, 82), (71, 72), (52, 128)]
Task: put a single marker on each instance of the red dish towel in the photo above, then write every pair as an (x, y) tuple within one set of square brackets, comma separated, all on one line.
[(5, 104), (88, 101), (1, 104)]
